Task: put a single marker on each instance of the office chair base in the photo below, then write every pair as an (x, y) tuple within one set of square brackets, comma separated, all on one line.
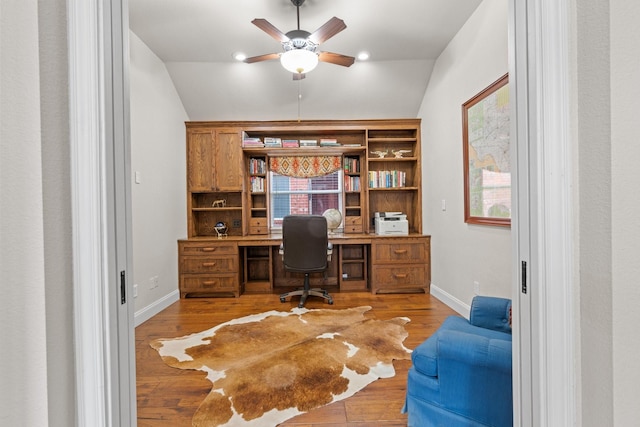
[(304, 293)]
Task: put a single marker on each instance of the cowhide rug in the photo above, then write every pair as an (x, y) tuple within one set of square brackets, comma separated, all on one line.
[(269, 367)]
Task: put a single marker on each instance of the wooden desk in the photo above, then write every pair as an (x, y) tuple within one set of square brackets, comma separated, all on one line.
[(250, 264)]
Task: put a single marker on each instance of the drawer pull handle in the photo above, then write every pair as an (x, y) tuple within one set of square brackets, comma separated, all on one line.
[(208, 249), (208, 264), (400, 276), (400, 251), (209, 282)]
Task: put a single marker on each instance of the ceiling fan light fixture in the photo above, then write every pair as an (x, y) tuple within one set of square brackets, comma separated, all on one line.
[(299, 61)]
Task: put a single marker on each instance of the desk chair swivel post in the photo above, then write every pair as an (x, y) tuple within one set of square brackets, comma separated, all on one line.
[(305, 249)]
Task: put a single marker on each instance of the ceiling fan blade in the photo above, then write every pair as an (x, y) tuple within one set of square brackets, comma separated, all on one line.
[(268, 28), (298, 76), (332, 27), (336, 58), (265, 57)]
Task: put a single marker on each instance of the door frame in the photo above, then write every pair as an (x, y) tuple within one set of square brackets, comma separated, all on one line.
[(543, 220), (101, 210)]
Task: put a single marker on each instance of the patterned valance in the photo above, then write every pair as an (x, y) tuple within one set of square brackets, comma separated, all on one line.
[(305, 166)]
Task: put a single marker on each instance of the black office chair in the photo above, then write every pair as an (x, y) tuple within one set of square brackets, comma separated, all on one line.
[(305, 249)]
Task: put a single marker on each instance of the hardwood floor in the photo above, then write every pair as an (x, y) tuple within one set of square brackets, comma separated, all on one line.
[(169, 396)]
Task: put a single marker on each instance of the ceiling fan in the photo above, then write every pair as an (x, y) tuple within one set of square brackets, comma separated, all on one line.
[(300, 47)]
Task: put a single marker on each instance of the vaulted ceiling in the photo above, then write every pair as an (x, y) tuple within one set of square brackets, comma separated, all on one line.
[(196, 39)]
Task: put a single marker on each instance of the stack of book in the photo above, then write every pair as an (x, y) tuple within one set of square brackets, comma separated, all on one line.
[(252, 142), (329, 142), (270, 142), (290, 143), (308, 143)]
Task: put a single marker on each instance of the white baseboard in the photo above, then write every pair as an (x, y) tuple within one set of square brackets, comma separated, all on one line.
[(155, 307), (453, 302)]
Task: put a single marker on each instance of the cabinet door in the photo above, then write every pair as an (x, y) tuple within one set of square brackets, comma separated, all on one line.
[(228, 160), (200, 161)]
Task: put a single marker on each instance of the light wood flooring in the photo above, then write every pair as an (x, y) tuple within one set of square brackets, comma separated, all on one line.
[(169, 396)]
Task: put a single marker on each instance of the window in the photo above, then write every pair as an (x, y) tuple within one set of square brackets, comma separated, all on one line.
[(303, 196)]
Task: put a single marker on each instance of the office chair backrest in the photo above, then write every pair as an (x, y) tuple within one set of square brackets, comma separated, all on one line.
[(304, 241)]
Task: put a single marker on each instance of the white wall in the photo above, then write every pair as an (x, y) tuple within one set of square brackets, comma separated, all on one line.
[(625, 91), (462, 253), (36, 358), (158, 154)]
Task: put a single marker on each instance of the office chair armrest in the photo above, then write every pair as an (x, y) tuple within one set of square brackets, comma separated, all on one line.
[(329, 251)]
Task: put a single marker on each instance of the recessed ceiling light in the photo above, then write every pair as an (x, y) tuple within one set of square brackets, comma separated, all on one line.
[(239, 56), (363, 56)]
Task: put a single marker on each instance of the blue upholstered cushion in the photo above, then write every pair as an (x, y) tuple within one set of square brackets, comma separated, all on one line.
[(425, 356)]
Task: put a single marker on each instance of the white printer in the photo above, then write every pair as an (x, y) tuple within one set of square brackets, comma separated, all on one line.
[(391, 224)]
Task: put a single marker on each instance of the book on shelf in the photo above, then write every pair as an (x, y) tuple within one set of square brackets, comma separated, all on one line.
[(352, 165), (352, 183), (290, 143), (329, 142), (252, 142), (257, 184), (387, 179), (352, 144), (257, 166), (308, 143), (272, 142)]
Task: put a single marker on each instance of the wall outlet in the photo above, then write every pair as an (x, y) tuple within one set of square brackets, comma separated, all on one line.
[(135, 290), (476, 287), (153, 282)]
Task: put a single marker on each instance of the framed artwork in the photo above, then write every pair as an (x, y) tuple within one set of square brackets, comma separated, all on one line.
[(487, 158)]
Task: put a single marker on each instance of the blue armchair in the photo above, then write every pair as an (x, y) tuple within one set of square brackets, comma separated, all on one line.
[(461, 375)]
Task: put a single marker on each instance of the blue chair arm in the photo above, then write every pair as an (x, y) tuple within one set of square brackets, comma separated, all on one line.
[(490, 313), (475, 377)]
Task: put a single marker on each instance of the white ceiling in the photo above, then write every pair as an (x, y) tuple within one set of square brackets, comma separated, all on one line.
[(197, 38)]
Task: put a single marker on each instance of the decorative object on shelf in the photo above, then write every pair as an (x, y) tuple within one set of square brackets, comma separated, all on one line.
[(300, 55), (486, 156), (334, 219), (380, 154), (221, 203), (400, 153), (221, 228)]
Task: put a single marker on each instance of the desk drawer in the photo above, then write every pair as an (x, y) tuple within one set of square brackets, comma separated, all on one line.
[(407, 251), (208, 265), (401, 276), (207, 248), (209, 283), (353, 224), (258, 226)]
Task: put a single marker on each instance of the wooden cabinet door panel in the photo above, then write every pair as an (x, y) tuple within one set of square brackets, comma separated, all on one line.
[(200, 161), (228, 160)]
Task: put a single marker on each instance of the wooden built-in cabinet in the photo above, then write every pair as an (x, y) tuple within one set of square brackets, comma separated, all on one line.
[(229, 182), (214, 180)]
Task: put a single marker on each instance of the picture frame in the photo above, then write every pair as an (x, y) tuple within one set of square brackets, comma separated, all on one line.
[(487, 156)]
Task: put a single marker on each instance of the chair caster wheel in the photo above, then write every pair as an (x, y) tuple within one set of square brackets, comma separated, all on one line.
[(330, 302), (283, 299), (300, 305)]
